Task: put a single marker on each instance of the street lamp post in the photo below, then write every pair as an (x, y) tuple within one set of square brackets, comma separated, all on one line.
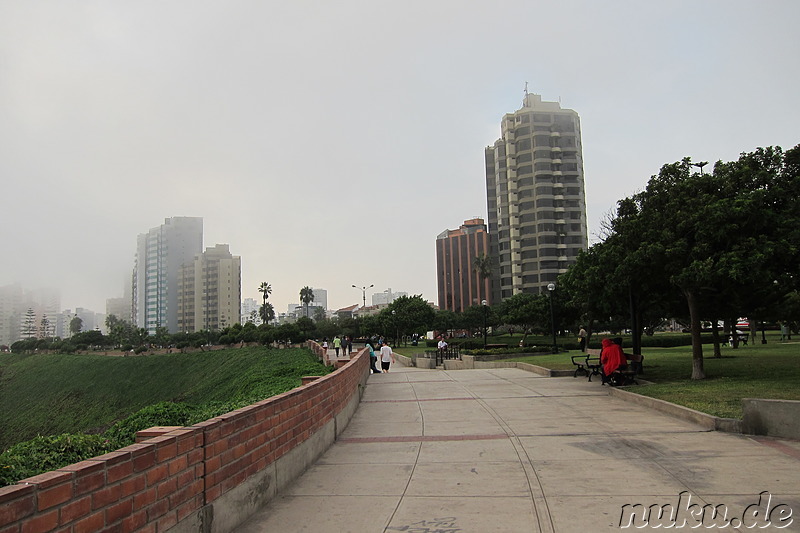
[(700, 165), (551, 287), (396, 328), (483, 303), (363, 293)]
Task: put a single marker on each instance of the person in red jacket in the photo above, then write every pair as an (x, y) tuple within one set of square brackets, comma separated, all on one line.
[(611, 357)]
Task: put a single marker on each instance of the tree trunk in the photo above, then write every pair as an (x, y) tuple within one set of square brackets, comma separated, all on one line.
[(715, 332), (636, 322), (697, 343)]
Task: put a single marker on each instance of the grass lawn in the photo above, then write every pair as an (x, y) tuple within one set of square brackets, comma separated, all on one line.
[(769, 370)]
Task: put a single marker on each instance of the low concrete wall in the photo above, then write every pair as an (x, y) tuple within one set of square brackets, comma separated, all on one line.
[(729, 425), (401, 359), (774, 418), (471, 362), (424, 362), (207, 478)]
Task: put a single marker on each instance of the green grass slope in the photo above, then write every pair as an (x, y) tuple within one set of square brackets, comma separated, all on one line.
[(55, 394)]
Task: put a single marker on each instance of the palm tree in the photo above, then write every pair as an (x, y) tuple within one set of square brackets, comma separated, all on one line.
[(265, 289), (306, 296), (267, 312), (482, 265)]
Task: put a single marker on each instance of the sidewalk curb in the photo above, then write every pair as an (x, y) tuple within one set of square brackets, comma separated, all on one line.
[(728, 425)]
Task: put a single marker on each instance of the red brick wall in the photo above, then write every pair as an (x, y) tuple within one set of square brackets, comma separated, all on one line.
[(151, 486)]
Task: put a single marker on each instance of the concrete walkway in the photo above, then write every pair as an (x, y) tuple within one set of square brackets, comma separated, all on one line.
[(505, 450)]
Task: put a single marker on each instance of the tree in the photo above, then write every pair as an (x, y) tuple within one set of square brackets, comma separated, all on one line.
[(44, 328), (327, 328), (306, 296), (267, 312), (445, 320), (483, 266), (75, 325), (529, 311), (265, 289), (161, 337), (732, 231), (305, 325), (409, 315), (29, 324)]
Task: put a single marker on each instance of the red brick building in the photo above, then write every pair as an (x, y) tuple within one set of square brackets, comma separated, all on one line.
[(459, 285)]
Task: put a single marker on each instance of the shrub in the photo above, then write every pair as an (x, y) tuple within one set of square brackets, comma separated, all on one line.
[(43, 454), (160, 414)]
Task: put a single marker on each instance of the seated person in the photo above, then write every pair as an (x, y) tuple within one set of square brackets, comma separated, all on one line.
[(612, 358)]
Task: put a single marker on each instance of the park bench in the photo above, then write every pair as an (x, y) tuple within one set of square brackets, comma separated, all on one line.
[(580, 365), (742, 338), (591, 366)]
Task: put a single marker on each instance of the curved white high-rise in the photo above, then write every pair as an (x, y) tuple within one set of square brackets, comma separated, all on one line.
[(535, 197)]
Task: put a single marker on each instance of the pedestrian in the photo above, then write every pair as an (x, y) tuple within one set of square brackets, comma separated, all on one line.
[(373, 359), (387, 357), (337, 343), (582, 339), (325, 344), (441, 345), (612, 358), (786, 333), (348, 345)]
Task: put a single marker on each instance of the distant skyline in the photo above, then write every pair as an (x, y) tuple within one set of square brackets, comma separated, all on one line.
[(329, 144)]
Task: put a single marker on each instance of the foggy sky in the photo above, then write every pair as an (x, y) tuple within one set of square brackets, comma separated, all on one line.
[(329, 143)]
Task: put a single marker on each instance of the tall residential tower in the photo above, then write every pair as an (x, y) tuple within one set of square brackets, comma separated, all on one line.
[(159, 256), (210, 291), (535, 197)]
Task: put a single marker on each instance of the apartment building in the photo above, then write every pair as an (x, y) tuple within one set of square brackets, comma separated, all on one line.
[(210, 291), (535, 197), (160, 254), (459, 284)]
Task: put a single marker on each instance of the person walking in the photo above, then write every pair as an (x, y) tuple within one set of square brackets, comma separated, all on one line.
[(582, 339), (387, 357), (373, 359), (337, 343)]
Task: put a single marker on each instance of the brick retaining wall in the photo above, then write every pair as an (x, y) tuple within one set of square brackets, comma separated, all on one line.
[(206, 478)]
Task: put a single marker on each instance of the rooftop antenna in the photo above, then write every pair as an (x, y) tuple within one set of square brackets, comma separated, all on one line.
[(526, 88)]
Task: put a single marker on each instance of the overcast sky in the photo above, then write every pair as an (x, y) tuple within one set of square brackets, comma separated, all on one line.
[(329, 143)]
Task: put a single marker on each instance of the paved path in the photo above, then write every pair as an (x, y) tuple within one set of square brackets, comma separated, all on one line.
[(505, 450)]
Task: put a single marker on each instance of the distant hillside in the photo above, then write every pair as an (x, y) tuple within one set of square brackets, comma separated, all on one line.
[(54, 394)]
